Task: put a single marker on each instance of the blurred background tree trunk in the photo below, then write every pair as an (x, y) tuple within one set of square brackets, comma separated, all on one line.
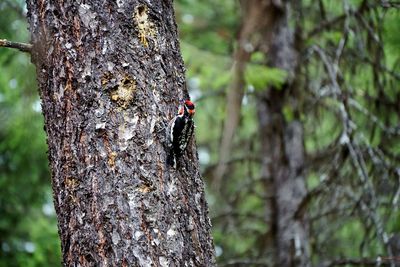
[(256, 21), (282, 148), (110, 77)]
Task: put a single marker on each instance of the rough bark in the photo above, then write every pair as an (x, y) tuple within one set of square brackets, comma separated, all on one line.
[(110, 76), (283, 149)]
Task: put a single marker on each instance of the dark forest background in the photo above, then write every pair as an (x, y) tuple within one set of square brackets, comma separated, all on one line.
[(347, 100)]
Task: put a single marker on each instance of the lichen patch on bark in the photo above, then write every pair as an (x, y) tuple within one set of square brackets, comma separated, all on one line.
[(126, 130)]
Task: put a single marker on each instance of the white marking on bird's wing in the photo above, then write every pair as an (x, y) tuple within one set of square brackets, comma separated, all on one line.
[(171, 129)]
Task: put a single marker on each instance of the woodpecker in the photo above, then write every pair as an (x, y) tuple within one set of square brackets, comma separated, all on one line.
[(180, 130)]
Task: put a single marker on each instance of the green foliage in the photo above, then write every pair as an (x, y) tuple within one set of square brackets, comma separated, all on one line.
[(390, 25), (261, 77), (28, 237), (208, 24)]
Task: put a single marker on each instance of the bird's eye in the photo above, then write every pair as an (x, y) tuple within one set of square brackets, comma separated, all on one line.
[(190, 106)]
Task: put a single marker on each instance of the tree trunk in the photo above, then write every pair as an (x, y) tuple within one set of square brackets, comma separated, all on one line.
[(111, 75), (283, 149), (257, 19)]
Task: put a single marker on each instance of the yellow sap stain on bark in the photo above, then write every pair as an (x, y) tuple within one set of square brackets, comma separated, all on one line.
[(106, 78), (144, 26), (71, 182), (125, 92), (145, 188), (111, 159)]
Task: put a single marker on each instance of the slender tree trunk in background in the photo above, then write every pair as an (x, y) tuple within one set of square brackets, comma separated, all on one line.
[(256, 22), (283, 149), (110, 75)]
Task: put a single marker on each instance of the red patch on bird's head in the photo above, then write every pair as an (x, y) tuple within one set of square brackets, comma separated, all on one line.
[(190, 107), (189, 104)]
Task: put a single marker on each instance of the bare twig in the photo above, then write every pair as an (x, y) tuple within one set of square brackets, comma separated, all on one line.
[(356, 156), (390, 4), (380, 67), (23, 47), (363, 262), (326, 24)]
